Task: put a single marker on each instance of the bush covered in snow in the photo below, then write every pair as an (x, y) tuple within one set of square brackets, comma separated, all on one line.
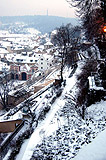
[(43, 112), (17, 143), (51, 98), (71, 136)]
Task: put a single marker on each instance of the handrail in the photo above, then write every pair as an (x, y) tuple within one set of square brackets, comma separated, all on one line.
[(7, 141)]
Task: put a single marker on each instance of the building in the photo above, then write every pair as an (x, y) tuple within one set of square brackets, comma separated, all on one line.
[(48, 45), (22, 72), (45, 61)]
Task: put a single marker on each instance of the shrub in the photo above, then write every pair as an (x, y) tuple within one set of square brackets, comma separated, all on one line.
[(16, 144), (82, 84)]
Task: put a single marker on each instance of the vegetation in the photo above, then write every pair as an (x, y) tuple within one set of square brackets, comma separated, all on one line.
[(91, 15), (5, 87), (66, 40), (82, 84), (16, 144)]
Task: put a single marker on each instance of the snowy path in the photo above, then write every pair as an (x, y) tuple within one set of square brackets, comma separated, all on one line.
[(95, 150), (23, 148), (45, 128)]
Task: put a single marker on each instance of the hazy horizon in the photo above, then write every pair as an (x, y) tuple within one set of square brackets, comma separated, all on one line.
[(59, 8), (38, 15)]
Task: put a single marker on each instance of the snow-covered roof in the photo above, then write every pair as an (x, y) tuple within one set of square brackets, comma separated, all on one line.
[(48, 44), (18, 58), (3, 51), (6, 44), (4, 66), (54, 32), (47, 56), (25, 68)]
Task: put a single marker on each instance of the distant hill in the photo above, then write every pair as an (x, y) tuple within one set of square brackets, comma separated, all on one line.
[(44, 24)]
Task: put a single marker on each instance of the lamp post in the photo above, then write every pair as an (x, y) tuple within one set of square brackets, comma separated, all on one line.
[(104, 29)]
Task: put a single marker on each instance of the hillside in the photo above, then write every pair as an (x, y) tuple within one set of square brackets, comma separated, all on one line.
[(62, 133), (44, 24)]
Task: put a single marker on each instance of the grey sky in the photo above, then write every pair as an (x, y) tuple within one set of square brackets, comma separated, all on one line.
[(35, 7)]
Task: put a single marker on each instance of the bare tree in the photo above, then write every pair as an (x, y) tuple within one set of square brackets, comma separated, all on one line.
[(27, 106), (72, 51), (61, 39), (5, 88), (65, 40)]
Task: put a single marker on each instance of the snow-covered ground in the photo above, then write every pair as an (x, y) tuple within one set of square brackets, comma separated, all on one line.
[(95, 150), (49, 125), (64, 135)]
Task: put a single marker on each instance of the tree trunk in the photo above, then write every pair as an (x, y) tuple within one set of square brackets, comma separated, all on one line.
[(83, 112)]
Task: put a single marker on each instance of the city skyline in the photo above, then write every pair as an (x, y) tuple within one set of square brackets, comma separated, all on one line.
[(35, 7)]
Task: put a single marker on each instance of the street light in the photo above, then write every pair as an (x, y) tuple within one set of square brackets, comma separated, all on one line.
[(104, 29)]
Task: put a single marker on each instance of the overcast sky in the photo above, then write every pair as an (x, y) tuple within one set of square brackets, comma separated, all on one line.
[(35, 7)]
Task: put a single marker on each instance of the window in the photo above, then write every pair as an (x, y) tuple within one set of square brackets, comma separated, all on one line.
[(31, 60), (41, 59), (19, 60)]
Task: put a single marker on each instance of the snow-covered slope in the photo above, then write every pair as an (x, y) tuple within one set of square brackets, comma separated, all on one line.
[(63, 134), (95, 150), (50, 124)]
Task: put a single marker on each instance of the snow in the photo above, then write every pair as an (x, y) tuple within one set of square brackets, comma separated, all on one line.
[(41, 131), (7, 155), (25, 68), (76, 135), (2, 51), (19, 156), (92, 84), (16, 116), (33, 31), (99, 109), (48, 44), (95, 150), (46, 128), (4, 66)]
